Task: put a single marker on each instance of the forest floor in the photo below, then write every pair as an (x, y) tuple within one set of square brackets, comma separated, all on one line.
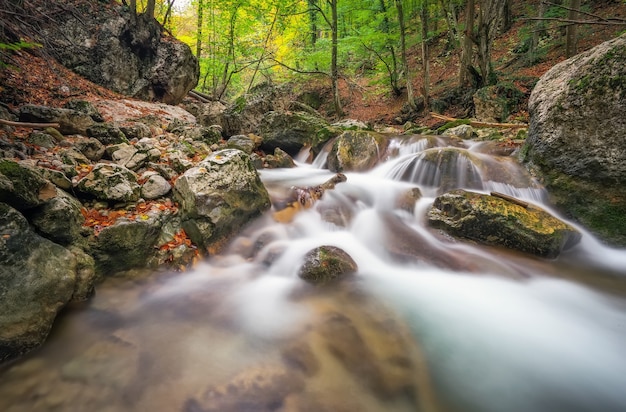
[(34, 77)]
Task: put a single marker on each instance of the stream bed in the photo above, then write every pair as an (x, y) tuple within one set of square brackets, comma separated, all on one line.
[(428, 323)]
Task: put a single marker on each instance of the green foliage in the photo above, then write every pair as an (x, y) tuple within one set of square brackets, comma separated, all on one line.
[(7, 48)]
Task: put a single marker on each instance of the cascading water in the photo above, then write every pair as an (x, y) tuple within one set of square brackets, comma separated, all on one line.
[(426, 323)]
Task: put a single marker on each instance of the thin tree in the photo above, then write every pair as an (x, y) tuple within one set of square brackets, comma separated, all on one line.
[(199, 24), (334, 71), (403, 56), (571, 29), (465, 65), (425, 54)]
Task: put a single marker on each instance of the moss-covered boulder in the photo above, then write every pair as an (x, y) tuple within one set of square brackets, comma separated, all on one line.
[(356, 150), (37, 278), (291, 131), (220, 195), (325, 264), (577, 138), (23, 187), (110, 182), (491, 220)]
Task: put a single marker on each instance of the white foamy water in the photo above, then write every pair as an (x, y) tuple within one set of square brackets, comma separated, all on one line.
[(427, 323)]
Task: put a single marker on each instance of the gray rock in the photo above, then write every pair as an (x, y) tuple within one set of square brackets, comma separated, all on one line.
[(291, 131), (110, 182), (73, 157), (577, 137), (207, 114), (155, 186), (23, 187), (494, 221), (219, 196), (326, 264), (128, 243), (135, 130), (70, 121), (464, 131), (107, 133), (86, 107), (280, 159), (56, 177), (130, 57), (37, 279), (41, 139), (241, 142), (59, 219), (91, 148), (356, 151), (86, 277)]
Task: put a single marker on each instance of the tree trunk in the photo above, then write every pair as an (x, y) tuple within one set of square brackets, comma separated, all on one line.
[(150, 8), (466, 53), (199, 25), (312, 22), (405, 63), (572, 28), (539, 31), (451, 20), (334, 71), (425, 55)]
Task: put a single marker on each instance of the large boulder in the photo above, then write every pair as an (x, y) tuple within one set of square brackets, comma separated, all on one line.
[(37, 278), (356, 150), (291, 131), (492, 220), (577, 137), (127, 54), (219, 196)]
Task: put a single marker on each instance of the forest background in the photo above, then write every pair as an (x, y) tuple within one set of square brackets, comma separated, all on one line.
[(384, 61)]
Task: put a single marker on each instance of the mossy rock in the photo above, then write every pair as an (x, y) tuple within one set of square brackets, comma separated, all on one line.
[(23, 187), (494, 221), (326, 264), (356, 150)]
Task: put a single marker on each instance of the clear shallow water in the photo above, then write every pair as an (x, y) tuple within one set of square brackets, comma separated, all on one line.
[(426, 324)]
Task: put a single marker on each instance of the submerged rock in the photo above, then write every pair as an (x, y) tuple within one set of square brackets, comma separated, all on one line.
[(37, 279), (325, 264), (577, 137), (495, 221), (220, 195)]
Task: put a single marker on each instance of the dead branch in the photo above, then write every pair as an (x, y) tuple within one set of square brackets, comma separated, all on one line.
[(611, 22), (30, 125), (475, 123), (198, 96), (510, 199)]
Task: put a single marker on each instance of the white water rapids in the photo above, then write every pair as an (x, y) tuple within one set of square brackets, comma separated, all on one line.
[(426, 324)]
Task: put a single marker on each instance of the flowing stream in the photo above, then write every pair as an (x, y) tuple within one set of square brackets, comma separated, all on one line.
[(426, 324)]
